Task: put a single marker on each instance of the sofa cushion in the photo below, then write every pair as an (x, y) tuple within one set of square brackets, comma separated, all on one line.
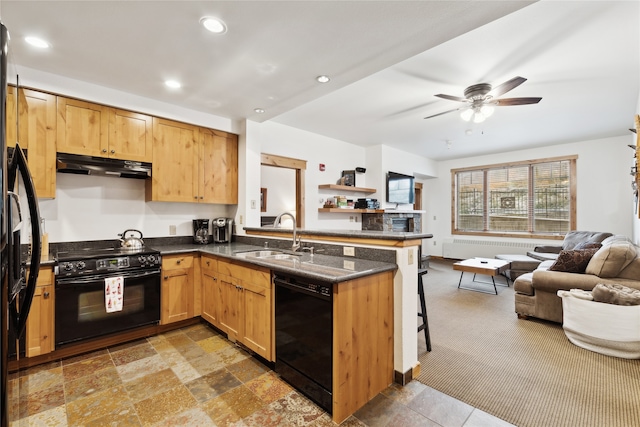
[(616, 294), (574, 261), (632, 271), (611, 259), (572, 238), (588, 245)]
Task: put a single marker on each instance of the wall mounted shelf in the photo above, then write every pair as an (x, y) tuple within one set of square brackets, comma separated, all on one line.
[(341, 210), (346, 188)]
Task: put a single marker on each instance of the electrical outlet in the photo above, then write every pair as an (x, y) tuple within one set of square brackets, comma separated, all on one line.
[(240, 220), (410, 256), (434, 217), (253, 204), (172, 230), (349, 251), (350, 219), (434, 243)]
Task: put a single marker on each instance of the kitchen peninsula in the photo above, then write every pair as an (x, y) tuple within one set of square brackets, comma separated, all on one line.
[(406, 246)]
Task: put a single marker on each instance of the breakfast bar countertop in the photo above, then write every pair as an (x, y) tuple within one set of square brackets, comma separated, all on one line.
[(350, 234)]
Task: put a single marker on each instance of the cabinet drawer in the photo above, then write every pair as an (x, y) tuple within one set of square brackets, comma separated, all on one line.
[(209, 265), (253, 274), (172, 262)]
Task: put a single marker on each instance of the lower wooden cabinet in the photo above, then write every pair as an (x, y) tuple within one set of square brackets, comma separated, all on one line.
[(177, 292), (238, 300), (40, 323)]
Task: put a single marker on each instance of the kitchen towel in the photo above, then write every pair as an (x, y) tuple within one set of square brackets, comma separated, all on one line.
[(113, 293)]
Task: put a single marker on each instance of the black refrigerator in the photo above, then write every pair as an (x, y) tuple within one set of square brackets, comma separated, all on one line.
[(17, 185)]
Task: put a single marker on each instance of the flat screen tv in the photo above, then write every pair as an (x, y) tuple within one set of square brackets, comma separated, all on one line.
[(400, 188)]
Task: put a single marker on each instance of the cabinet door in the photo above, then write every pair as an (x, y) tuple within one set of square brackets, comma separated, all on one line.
[(82, 128), (177, 296), (130, 136), (229, 305), (175, 169), (210, 291), (39, 329), (37, 134), (218, 167), (256, 333)]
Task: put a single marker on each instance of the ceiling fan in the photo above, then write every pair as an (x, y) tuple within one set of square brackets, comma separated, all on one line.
[(481, 98)]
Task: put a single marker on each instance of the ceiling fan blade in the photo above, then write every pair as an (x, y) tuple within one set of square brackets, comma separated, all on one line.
[(507, 86), (516, 101), (445, 112), (451, 97)]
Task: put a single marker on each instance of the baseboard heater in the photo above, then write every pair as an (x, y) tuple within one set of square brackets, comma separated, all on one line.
[(468, 248)]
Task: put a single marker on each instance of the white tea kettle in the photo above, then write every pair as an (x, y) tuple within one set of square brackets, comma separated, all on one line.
[(131, 243)]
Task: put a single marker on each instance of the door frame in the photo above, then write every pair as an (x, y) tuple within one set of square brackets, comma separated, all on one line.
[(299, 166)]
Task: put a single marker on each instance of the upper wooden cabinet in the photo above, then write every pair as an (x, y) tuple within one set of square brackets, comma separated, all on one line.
[(193, 164), (36, 134), (97, 130), (174, 177), (82, 127), (218, 167)]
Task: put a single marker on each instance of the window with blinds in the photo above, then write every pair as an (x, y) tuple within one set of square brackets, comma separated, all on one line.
[(523, 198)]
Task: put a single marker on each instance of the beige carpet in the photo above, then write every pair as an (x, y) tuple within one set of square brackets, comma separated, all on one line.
[(523, 371)]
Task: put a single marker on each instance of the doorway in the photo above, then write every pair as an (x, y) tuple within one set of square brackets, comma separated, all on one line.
[(299, 167)]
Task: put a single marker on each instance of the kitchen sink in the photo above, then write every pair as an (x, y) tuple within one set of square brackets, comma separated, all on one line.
[(258, 254), (282, 256)]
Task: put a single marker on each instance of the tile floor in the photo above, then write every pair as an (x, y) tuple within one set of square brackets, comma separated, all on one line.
[(196, 377)]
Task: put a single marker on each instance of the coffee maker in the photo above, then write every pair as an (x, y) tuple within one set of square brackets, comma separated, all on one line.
[(222, 230), (201, 231)]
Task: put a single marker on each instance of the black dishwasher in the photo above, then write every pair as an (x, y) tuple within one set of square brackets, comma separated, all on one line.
[(304, 335)]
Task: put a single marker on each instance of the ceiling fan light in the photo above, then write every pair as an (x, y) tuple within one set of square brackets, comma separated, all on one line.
[(487, 110), (466, 115), (478, 117)]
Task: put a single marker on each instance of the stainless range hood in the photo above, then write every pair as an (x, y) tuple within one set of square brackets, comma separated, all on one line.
[(88, 165)]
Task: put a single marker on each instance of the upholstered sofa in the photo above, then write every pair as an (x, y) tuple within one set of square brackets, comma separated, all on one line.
[(617, 261)]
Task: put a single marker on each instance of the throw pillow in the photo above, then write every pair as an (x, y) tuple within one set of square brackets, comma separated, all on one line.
[(588, 245), (611, 259), (616, 294), (574, 261)]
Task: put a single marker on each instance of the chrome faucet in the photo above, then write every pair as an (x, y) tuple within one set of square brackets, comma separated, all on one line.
[(296, 243)]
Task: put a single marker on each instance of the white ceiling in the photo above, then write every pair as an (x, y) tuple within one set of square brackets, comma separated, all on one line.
[(387, 60)]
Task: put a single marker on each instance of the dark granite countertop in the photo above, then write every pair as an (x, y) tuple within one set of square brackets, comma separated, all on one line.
[(364, 234), (331, 269)]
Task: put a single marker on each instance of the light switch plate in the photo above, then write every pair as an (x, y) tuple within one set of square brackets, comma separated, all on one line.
[(349, 251)]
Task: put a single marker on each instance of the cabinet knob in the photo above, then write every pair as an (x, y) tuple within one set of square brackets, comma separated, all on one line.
[(195, 197), (178, 261), (166, 277), (208, 263), (104, 150), (45, 295), (201, 197), (113, 151)]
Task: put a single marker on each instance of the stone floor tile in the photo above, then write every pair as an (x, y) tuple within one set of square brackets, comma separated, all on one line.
[(232, 406), (133, 353), (269, 387), (214, 343), (86, 366), (185, 372), (264, 417), (164, 405), (145, 387), (441, 408), (296, 410), (98, 405), (379, 411), (211, 385), (247, 369), (404, 394), (194, 417), (142, 367), (200, 332), (98, 381), (43, 400), (56, 417), (207, 363), (85, 356), (480, 418), (410, 418)]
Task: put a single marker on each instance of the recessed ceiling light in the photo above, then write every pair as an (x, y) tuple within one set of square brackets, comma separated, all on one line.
[(214, 25), (259, 110), (35, 41), (323, 79), (173, 84)]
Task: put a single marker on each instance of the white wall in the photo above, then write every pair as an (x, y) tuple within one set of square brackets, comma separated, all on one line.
[(604, 200)]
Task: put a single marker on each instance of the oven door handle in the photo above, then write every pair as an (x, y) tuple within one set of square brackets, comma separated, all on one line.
[(94, 278)]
